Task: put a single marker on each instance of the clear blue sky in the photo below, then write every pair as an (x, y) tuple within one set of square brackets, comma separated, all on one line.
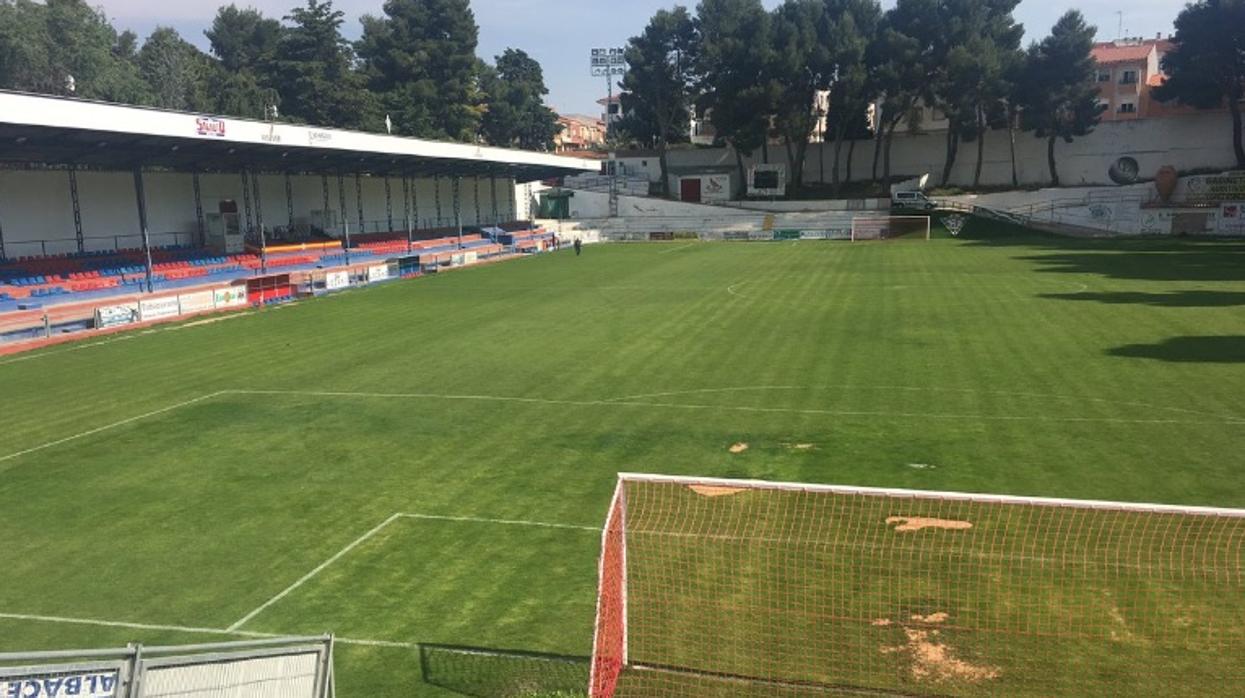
[(559, 33)]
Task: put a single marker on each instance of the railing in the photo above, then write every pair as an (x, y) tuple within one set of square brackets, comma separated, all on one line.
[(54, 246)]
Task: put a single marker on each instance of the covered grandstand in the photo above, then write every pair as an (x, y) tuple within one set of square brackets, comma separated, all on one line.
[(109, 204)]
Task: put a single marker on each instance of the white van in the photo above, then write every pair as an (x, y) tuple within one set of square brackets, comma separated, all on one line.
[(912, 199)]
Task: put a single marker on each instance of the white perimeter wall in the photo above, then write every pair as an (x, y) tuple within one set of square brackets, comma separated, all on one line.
[(1185, 142), (36, 206)]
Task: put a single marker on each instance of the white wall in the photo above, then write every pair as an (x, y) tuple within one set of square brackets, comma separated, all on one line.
[(1185, 142), (36, 205)]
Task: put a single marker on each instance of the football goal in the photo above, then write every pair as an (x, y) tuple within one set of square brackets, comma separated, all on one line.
[(728, 587), (890, 228)]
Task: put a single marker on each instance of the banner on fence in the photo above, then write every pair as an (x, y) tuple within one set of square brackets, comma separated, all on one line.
[(377, 272), (336, 280), (470, 257), (158, 308), (231, 297), (115, 315), (196, 302), (67, 685)]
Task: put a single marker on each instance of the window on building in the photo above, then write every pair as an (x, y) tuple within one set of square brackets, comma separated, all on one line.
[(613, 109), (1104, 76), (937, 114), (1127, 108), (1128, 77)]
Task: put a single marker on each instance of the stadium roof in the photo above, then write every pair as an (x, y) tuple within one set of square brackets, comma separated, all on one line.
[(65, 131)]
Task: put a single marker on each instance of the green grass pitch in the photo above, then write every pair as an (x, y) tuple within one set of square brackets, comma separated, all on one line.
[(188, 477)]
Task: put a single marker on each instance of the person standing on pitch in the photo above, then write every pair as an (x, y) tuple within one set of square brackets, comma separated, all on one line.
[(579, 246)]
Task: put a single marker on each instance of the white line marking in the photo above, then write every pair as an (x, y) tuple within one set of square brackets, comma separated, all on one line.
[(307, 577), (501, 522), (731, 289), (36, 354), (114, 425), (676, 249), (191, 630)]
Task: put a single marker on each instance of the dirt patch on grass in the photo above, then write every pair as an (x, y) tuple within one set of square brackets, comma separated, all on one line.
[(738, 448), (801, 447), (916, 523), (713, 491), (881, 622), (932, 660)]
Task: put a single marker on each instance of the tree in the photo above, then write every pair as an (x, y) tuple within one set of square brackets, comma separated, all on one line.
[(1059, 99), (657, 85), (517, 115), (801, 66), (420, 60), (315, 66), (1207, 66), (244, 40), (176, 72), (850, 27), (977, 37), (67, 47), (902, 69), (732, 63)]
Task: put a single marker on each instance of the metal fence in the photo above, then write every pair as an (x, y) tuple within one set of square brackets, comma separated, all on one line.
[(295, 667)]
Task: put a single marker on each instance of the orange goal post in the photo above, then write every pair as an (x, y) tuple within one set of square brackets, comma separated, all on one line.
[(748, 588)]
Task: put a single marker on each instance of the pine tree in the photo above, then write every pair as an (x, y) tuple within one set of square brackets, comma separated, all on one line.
[(517, 115)]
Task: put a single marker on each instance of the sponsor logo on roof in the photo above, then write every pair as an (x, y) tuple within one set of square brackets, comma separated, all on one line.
[(206, 126)]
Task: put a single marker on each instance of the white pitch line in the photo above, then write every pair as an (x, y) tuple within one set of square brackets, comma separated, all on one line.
[(676, 249), (501, 522), (190, 630), (114, 425), (307, 577), (731, 289)]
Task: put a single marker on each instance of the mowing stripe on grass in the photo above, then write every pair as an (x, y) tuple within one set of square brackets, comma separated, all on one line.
[(738, 408), (114, 425), (190, 630), (307, 577)]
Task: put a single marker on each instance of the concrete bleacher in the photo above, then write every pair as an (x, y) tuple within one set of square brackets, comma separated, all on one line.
[(31, 282)]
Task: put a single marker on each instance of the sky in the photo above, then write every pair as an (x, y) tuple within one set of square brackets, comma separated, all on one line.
[(561, 33)]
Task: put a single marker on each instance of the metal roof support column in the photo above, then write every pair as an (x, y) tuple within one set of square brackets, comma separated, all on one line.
[(341, 196), (458, 215), (475, 183), (289, 199), (77, 208), (492, 185), (246, 204), (415, 202), (406, 211), (3, 256), (436, 191), (140, 198), (388, 205), (324, 215), (358, 200), (259, 224), (199, 219)]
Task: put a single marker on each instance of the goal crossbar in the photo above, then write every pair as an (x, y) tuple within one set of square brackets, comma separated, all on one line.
[(760, 588), (934, 494)]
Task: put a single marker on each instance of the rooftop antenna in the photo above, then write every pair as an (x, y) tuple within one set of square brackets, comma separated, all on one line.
[(1119, 32)]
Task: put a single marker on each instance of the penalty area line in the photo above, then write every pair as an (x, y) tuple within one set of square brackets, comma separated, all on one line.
[(190, 630), (114, 425), (380, 527)]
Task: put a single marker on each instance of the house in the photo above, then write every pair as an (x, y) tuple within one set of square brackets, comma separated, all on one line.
[(579, 133), (613, 110), (702, 132), (1128, 70)]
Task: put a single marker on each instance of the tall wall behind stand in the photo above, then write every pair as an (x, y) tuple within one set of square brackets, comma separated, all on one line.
[(36, 207), (1187, 142)]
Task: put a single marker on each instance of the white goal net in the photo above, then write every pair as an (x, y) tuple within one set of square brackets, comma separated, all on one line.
[(748, 588), (890, 228)]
